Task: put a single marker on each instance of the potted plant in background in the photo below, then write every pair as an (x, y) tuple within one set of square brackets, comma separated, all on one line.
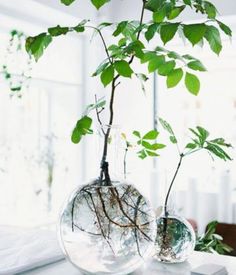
[(109, 222)]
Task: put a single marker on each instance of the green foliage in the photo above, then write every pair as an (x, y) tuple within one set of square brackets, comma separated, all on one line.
[(212, 35), (175, 12), (123, 68), (58, 30), (107, 75), (166, 68), (15, 49), (210, 9), (153, 5), (36, 45), (174, 78), (200, 141), (214, 147), (212, 242), (67, 2), (166, 126), (151, 31), (194, 32), (168, 31), (82, 128), (147, 147), (142, 78), (99, 3), (99, 104), (224, 28), (196, 65), (128, 46), (192, 83)]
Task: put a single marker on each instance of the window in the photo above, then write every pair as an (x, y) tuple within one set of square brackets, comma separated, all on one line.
[(39, 165)]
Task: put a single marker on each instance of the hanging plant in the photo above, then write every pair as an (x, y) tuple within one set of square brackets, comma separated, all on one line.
[(17, 66)]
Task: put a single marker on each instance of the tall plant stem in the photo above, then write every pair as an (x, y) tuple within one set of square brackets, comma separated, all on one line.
[(104, 163), (171, 184)]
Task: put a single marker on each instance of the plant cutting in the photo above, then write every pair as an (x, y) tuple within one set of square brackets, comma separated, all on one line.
[(175, 236), (111, 220)]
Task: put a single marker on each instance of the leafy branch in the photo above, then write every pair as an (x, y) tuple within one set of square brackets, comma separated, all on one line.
[(131, 42), (199, 141)]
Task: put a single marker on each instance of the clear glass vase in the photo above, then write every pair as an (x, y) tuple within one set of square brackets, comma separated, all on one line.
[(107, 226), (175, 239)]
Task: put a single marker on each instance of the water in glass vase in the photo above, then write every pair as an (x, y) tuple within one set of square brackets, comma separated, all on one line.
[(175, 239), (107, 229)]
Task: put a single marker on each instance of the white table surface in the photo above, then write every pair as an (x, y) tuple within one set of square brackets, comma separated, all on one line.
[(150, 268)]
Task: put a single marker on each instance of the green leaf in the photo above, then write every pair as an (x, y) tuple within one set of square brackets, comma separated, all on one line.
[(168, 31), (159, 15), (37, 44), (143, 78), (67, 2), (191, 146), (166, 126), (137, 134), (142, 154), (99, 3), (194, 32), (123, 68), (151, 31), (107, 75), (221, 141), (135, 48), (189, 57), (151, 135), (99, 104), (175, 12), (152, 154), (79, 28), (192, 83), (120, 27), (187, 2), (58, 30), (217, 151), (197, 66), (212, 35), (173, 139), (166, 68), (153, 5), (203, 133), (82, 128), (210, 10), (174, 55), (155, 63), (174, 78), (100, 68), (224, 28)]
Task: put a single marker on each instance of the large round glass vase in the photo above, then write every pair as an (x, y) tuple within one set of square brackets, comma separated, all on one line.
[(175, 239), (107, 229)]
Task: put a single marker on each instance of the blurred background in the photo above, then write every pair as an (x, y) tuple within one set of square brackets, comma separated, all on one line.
[(41, 102)]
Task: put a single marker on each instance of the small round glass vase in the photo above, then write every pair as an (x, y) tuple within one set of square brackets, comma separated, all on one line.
[(175, 239), (107, 229)]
